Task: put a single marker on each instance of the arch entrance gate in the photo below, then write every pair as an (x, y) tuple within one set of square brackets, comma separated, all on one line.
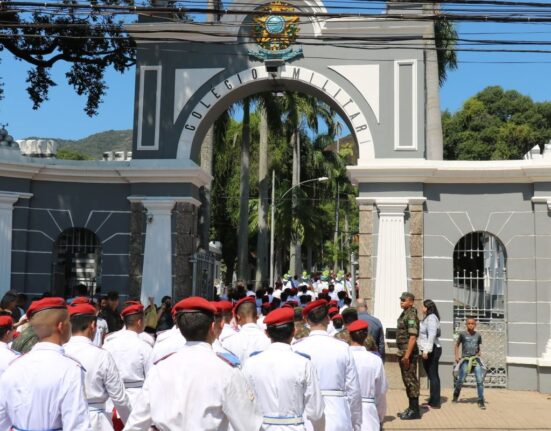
[(189, 73)]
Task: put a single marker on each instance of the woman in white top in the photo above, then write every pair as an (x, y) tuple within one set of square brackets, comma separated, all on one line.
[(431, 350)]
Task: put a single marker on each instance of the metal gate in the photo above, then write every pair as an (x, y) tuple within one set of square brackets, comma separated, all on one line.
[(76, 260), (204, 266), (480, 286)]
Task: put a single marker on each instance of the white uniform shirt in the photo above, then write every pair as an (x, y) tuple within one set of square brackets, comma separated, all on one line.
[(6, 356), (248, 340), (227, 331), (373, 384), (260, 322), (194, 389), (338, 379), (286, 386), (132, 356), (44, 390), (167, 342), (102, 381), (101, 330)]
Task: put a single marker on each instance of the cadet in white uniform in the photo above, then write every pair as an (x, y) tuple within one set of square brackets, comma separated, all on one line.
[(336, 371), (7, 355), (250, 337), (194, 388), (167, 342), (228, 330), (372, 377), (285, 382), (44, 389), (102, 379), (101, 324), (132, 355)]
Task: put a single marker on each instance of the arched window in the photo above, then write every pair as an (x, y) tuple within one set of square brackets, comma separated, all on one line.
[(480, 287), (76, 260), (479, 276)]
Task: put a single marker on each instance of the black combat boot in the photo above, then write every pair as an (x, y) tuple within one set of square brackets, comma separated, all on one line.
[(455, 396), (406, 411), (414, 412)]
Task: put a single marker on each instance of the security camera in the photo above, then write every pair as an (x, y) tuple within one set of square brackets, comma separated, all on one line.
[(272, 66)]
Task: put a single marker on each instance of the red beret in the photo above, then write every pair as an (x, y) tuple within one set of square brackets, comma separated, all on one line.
[(216, 305), (313, 305), (336, 316), (80, 300), (45, 304), (324, 290), (242, 301), (294, 291), (194, 304), (225, 306), (333, 302), (131, 309), (6, 321), (266, 305), (280, 317), (132, 303), (332, 310), (357, 325), (81, 309)]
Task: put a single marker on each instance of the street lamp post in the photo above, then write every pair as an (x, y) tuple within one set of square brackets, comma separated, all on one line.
[(272, 224)]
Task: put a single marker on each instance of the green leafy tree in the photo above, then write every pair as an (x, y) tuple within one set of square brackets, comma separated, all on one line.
[(89, 43), (66, 154), (494, 125)]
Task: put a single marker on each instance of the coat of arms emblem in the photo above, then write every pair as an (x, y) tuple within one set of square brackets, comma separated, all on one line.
[(275, 32)]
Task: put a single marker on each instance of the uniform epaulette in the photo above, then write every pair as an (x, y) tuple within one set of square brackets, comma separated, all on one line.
[(255, 353), (76, 361), (230, 359), (302, 354), (163, 358)]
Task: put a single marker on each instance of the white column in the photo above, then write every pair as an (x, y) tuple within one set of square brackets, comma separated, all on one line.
[(391, 270), (6, 220), (157, 260)]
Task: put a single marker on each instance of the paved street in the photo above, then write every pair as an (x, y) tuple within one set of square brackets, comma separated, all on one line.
[(505, 410)]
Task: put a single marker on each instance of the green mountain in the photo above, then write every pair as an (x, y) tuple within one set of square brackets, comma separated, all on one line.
[(95, 145)]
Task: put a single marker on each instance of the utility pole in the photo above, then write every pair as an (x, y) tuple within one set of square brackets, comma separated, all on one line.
[(272, 226)]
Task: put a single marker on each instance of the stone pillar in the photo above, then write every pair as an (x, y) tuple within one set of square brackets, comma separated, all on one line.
[(185, 246), (365, 256), (416, 251), (391, 275), (7, 199), (137, 228), (157, 260)]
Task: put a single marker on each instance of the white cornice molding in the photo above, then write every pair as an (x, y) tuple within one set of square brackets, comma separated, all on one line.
[(443, 171), (156, 201), (542, 200), (392, 201), (139, 171)]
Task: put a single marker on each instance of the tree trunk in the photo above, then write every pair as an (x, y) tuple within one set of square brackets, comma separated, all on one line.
[(262, 261), (295, 248), (336, 234), (207, 153), (435, 146), (309, 260), (243, 234)]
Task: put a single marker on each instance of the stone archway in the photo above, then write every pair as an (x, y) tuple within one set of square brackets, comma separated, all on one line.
[(258, 79)]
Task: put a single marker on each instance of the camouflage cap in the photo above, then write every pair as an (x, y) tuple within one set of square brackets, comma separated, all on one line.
[(405, 295)]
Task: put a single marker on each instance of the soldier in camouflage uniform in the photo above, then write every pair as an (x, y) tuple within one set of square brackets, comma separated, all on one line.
[(301, 330), (406, 341), (350, 315)]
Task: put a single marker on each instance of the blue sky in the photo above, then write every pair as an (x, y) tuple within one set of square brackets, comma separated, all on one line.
[(62, 116)]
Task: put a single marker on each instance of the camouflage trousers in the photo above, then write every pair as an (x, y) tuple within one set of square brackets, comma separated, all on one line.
[(409, 376)]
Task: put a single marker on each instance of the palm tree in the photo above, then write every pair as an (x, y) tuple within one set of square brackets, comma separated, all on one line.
[(439, 58), (243, 231)]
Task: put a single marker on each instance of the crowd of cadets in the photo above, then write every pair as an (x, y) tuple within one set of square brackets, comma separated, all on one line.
[(291, 358)]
